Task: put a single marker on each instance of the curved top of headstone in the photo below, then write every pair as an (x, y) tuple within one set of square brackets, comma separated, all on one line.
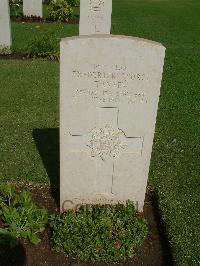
[(106, 36), (119, 65)]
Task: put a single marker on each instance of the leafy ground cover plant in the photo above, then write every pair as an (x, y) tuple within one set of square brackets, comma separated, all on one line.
[(73, 2), (45, 45), (99, 232), (60, 10), (21, 217), (15, 7)]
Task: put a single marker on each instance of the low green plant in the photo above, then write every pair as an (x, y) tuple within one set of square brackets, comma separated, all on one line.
[(4, 50), (73, 2), (15, 7), (60, 11), (21, 217), (47, 2), (99, 232), (45, 45)]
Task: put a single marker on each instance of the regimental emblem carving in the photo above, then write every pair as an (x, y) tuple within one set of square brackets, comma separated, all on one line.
[(107, 142), (96, 5)]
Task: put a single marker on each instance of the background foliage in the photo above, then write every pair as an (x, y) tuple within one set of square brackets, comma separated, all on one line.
[(60, 10)]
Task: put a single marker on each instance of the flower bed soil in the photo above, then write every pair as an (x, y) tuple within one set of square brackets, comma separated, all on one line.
[(24, 56), (37, 19), (14, 55), (155, 250)]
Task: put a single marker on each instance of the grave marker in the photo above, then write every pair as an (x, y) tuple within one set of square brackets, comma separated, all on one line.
[(95, 17), (5, 31), (32, 8), (109, 93)]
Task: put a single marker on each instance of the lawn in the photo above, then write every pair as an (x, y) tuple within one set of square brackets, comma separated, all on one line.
[(29, 112), (24, 33)]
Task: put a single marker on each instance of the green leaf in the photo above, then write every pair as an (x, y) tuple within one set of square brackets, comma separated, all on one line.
[(101, 233), (21, 216)]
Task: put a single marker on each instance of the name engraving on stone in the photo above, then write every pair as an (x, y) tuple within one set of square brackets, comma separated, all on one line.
[(110, 86)]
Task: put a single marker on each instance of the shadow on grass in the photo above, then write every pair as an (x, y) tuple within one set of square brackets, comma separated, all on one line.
[(47, 142), (12, 251), (164, 241)]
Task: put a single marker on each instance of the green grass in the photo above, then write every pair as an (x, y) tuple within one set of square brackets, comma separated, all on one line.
[(29, 101), (175, 164), (23, 33)]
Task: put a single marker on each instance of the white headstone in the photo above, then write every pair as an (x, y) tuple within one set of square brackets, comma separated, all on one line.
[(109, 93), (5, 32), (32, 8), (95, 17)]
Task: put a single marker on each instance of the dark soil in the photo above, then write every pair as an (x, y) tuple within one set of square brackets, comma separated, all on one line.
[(37, 19), (25, 56), (15, 55), (155, 250)]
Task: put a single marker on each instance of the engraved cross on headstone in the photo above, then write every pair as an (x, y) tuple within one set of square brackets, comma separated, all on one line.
[(106, 143), (95, 17), (96, 8)]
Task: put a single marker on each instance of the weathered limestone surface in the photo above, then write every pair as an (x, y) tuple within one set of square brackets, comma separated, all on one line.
[(5, 32), (109, 93), (95, 17), (32, 8)]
